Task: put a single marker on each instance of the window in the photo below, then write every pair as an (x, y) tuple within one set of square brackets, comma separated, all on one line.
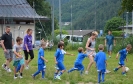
[(77, 39)]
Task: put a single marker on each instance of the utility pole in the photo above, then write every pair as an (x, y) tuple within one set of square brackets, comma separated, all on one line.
[(60, 19), (52, 11), (95, 17)]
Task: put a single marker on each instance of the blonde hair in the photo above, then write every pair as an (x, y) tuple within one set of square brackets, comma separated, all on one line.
[(43, 43), (80, 49), (129, 46), (94, 33), (28, 30), (101, 47)]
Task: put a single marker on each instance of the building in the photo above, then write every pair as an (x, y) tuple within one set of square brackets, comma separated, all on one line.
[(80, 32), (127, 29), (20, 16)]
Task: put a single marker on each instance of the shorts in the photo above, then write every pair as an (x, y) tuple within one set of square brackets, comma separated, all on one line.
[(22, 62), (15, 63), (60, 66), (28, 53), (109, 47), (78, 66), (41, 67), (121, 63), (101, 71), (94, 54), (9, 54)]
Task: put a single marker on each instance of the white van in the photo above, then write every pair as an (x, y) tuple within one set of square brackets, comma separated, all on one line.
[(73, 39)]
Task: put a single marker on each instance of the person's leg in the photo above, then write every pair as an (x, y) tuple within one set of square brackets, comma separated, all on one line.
[(37, 72), (15, 63), (103, 76), (110, 50), (31, 56), (82, 69), (117, 68), (74, 68), (91, 62), (123, 70), (99, 76), (26, 57), (18, 67)]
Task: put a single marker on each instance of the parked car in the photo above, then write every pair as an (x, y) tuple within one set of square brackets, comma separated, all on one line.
[(37, 44)]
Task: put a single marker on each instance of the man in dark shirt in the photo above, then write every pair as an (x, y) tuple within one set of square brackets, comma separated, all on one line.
[(6, 43)]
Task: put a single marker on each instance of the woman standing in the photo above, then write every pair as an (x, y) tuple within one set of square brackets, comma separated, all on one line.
[(90, 48), (28, 48)]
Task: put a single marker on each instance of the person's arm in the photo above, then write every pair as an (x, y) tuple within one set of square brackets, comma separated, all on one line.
[(117, 55), (105, 41), (44, 59), (87, 43), (55, 60), (3, 46), (17, 54), (114, 42), (69, 54), (106, 63)]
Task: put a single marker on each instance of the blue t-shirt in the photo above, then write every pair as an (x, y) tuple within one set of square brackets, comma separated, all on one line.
[(40, 53), (101, 60), (80, 57), (110, 39), (123, 53), (59, 55)]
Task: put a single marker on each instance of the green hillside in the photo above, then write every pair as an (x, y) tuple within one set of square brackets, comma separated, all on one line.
[(84, 12)]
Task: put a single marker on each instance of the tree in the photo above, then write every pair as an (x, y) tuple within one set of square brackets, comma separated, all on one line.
[(43, 8), (114, 24), (127, 5)]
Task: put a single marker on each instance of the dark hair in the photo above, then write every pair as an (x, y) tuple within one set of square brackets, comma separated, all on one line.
[(28, 30), (7, 26), (60, 44), (109, 31), (80, 49), (18, 39)]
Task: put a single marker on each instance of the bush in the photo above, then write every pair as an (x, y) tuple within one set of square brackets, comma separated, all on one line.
[(117, 33)]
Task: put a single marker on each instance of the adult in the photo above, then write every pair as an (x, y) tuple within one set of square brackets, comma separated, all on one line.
[(109, 42), (6, 43), (90, 49), (28, 48)]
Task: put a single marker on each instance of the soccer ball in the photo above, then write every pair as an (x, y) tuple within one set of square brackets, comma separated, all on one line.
[(127, 69)]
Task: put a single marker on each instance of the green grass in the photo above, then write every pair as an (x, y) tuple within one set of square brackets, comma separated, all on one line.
[(72, 78)]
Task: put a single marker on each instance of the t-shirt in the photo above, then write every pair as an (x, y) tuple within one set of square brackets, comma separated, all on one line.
[(110, 39), (7, 40), (40, 53), (18, 49), (80, 57), (59, 55), (123, 53), (28, 41), (101, 60)]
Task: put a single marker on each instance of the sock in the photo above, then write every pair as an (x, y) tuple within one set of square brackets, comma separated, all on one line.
[(21, 74), (123, 73), (43, 74), (116, 69), (55, 74), (60, 74), (72, 69), (103, 75), (36, 73), (15, 75), (99, 77), (81, 72)]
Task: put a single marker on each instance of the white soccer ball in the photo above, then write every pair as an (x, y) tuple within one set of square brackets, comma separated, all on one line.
[(127, 69)]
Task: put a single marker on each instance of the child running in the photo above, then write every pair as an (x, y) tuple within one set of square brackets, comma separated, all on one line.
[(59, 58), (18, 57), (41, 61), (78, 62), (100, 60), (123, 54)]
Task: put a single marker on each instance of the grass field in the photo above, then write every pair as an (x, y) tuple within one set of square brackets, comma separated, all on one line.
[(72, 78)]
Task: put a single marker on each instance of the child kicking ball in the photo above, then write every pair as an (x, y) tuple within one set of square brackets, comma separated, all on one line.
[(123, 55)]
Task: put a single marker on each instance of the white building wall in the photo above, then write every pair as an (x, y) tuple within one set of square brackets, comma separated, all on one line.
[(129, 31), (22, 32)]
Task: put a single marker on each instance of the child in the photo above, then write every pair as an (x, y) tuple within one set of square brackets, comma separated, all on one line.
[(123, 53), (18, 57), (78, 63), (41, 61), (100, 60), (59, 58)]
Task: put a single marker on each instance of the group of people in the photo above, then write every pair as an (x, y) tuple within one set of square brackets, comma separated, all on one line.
[(26, 45)]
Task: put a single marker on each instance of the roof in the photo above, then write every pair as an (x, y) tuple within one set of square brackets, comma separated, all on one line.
[(129, 27), (79, 32), (18, 9)]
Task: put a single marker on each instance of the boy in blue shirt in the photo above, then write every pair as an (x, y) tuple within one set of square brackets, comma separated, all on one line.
[(100, 60), (78, 62), (41, 61), (123, 54), (59, 58)]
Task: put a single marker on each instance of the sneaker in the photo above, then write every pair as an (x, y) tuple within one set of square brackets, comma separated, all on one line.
[(4, 66), (86, 72), (20, 77), (9, 70), (124, 74), (33, 76), (115, 70), (27, 67), (107, 71), (15, 77), (109, 56), (58, 77)]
